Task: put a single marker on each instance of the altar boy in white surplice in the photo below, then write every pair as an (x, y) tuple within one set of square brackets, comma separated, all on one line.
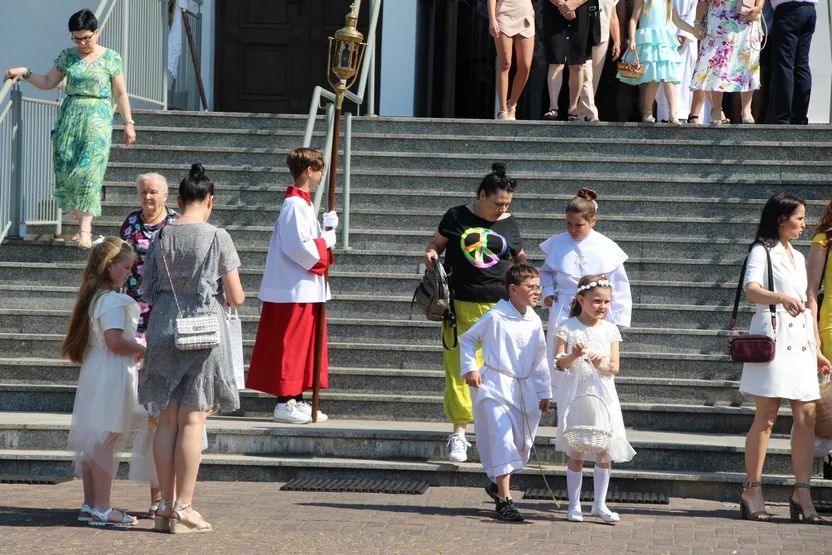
[(513, 387)]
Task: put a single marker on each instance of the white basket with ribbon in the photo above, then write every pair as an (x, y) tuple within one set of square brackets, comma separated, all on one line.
[(592, 438)]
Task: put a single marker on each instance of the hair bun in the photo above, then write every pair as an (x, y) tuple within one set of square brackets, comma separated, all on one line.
[(499, 168), (588, 194), (197, 172)]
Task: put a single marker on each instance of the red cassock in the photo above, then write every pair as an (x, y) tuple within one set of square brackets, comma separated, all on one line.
[(292, 291)]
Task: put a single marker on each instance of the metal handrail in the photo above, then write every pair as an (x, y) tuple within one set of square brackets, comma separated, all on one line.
[(367, 70)]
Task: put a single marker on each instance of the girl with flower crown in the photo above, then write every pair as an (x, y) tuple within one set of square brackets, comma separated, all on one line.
[(579, 251), (586, 358)]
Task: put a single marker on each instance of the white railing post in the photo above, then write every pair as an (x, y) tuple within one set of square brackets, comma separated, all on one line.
[(330, 120), (16, 192), (345, 215)]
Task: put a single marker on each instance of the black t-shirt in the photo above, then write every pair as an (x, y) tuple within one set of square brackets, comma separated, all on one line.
[(479, 253)]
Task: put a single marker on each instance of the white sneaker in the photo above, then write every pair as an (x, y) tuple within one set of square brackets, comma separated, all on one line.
[(290, 413), (458, 448), (306, 409)]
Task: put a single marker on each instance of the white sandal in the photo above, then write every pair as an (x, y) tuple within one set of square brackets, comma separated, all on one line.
[(103, 519), (179, 526), (85, 514)]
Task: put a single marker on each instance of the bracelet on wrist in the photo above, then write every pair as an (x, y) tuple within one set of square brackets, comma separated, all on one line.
[(130, 122)]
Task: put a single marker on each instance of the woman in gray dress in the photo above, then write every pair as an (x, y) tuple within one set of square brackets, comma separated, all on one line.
[(187, 385)]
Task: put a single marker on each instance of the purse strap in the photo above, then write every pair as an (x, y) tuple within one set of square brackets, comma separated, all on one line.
[(167, 270), (771, 307)]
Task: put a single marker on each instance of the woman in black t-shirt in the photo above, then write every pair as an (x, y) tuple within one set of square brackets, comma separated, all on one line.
[(480, 241)]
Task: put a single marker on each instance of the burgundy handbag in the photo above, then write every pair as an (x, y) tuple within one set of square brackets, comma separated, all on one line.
[(752, 348)]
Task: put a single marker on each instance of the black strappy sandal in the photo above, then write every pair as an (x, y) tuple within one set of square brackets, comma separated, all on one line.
[(572, 117), (551, 115), (691, 119), (796, 513), (745, 512)]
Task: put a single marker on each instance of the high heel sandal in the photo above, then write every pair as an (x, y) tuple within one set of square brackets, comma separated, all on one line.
[(647, 118), (511, 111), (503, 115), (673, 121), (745, 512), (796, 510), (692, 117), (748, 120), (180, 526), (161, 523)]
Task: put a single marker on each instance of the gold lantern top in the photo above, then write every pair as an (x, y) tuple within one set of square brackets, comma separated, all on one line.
[(348, 49)]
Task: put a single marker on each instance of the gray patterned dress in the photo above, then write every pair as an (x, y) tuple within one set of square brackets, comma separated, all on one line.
[(198, 255)]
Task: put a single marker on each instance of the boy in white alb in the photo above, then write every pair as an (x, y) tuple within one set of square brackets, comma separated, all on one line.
[(513, 387), (292, 289)]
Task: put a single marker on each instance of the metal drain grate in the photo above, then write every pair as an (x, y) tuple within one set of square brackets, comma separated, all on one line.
[(32, 480), (613, 497), (412, 487)]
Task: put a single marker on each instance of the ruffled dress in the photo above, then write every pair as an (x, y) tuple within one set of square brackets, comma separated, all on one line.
[(588, 411), (656, 45), (105, 399)]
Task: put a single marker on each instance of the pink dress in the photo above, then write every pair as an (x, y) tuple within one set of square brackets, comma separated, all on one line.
[(516, 17)]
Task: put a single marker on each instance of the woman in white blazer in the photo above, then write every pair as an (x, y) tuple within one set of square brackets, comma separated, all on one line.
[(792, 373)]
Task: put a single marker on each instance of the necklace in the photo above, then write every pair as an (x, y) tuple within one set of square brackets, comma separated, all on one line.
[(157, 218)]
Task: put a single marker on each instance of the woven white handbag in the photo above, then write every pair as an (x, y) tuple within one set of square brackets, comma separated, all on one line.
[(194, 332), (587, 438)]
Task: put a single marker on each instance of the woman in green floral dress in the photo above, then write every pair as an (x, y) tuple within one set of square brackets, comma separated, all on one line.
[(81, 138)]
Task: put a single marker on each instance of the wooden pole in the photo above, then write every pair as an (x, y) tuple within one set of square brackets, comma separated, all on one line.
[(195, 59), (330, 206)]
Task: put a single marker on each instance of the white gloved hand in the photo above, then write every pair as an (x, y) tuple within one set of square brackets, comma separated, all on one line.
[(331, 220), (329, 238)]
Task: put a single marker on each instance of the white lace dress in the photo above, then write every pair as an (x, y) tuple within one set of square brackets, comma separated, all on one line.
[(590, 411)]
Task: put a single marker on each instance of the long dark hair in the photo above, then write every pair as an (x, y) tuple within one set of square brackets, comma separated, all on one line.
[(778, 209)]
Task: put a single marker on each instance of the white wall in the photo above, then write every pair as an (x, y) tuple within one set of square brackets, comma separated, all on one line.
[(398, 61), (820, 59), (34, 33)]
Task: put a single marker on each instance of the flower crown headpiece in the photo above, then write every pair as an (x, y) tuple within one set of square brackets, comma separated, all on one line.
[(594, 284)]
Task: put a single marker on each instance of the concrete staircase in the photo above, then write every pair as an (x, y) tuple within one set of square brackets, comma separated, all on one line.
[(683, 203)]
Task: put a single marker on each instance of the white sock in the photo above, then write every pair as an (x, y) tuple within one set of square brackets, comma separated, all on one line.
[(601, 479), (573, 486)]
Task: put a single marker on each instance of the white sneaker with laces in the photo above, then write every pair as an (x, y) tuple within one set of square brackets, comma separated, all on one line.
[(458, 448), (290, 413), (306, 408)]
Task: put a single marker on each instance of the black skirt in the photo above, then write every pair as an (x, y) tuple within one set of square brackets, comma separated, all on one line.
[(566, 42)]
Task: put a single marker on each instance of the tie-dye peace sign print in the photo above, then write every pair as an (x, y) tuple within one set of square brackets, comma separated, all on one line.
[(482, 247)]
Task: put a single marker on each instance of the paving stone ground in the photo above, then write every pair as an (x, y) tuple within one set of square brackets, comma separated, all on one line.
[(257, 518)]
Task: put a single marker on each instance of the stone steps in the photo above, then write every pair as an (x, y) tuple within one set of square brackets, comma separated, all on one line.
[(660, 389), (53, 318), (412, 441), (554, 183), (442, 162), (403, 263), (349, 405), (722, 486), (681, 147)]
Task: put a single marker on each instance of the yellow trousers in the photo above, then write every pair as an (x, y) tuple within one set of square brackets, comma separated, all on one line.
[(457, 397)]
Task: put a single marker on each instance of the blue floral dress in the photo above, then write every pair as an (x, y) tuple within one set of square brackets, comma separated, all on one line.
[(729, 55), (82, 134), (656, 45)]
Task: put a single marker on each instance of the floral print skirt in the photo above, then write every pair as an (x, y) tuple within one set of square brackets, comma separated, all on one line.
[(729, 56)]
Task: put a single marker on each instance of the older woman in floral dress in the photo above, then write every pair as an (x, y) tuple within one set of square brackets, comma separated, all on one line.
[(729, 55), (139, 228)]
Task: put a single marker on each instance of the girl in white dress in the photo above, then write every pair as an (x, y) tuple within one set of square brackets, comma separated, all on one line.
[(577, 252), (102, 338), (587, 344), (793, 372)]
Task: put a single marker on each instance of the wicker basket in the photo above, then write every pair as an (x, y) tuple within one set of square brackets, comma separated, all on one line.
[(823, 410), (587, 439), (631, 70)]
